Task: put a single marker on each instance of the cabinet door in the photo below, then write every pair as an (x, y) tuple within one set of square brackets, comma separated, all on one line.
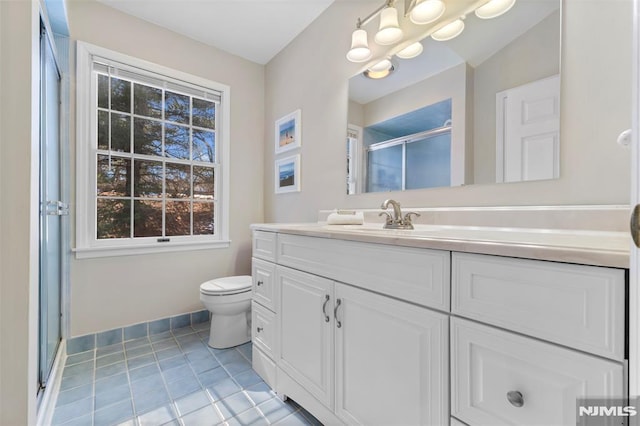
[(391, 361), (306, 332)]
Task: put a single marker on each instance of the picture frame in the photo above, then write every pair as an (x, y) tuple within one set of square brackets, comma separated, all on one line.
[(287, 132), (287, 174)]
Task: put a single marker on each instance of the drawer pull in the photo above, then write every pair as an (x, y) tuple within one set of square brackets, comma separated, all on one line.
[(515, 398), (259, 329), (259, 283), (324, 308), (335, 313)]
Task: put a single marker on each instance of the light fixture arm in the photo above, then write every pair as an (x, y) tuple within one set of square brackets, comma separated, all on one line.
[(373, 14), (408, 6)]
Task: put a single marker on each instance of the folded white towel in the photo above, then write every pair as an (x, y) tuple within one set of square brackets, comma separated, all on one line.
[(340, 218)]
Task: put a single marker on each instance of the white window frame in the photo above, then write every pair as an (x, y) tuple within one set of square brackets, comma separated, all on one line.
[(87, 244)]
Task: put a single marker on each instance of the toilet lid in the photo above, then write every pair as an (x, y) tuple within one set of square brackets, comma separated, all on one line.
[(227, 285)]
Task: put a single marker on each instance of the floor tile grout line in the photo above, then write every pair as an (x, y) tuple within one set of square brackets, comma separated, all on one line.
[(127, 370), (136, 415), (231, 376), (93, 386), (202, 387), (172, 400)]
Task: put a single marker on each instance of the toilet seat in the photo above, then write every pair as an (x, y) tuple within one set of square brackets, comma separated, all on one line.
[(226, 286)]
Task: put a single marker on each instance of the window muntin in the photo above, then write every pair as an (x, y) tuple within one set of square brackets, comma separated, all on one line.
[(127, 176), (155, 160)]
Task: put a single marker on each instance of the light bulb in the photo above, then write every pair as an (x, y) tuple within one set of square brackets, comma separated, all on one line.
[(380, 70), (383, 65), (426, 11), (410, 51), (389, 31), (359, 51), (449, 31), (494, 8)]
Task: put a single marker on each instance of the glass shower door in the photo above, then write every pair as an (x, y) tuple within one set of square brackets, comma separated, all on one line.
[(51, 210)]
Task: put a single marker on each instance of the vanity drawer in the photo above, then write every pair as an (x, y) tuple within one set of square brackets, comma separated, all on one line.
[(262, 274), (500, 378), (263, 329), (574, 305), (264, 245), (416, 275)]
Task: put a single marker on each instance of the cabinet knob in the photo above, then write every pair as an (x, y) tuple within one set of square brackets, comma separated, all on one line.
[(259, 283), (515, 398), (259, 329)]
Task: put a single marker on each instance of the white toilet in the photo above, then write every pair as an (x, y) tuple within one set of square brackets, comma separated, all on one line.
[(229, 301)]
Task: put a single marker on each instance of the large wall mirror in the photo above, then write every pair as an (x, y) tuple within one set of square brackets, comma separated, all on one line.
[(480, 108)]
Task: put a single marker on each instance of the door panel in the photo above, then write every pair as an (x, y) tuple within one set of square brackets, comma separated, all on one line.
[(528, 131), (305, 328), (391, 361), (51, 210)]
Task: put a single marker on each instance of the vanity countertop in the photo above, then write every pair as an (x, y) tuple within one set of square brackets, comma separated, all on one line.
[(598, 248)]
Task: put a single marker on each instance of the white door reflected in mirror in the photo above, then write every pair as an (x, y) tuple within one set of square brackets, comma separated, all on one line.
[(528, 131)]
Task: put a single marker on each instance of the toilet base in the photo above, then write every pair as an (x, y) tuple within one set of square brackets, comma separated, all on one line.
[(228, 331)]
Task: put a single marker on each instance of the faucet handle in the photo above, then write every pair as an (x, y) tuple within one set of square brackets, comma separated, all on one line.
[(388, 219), (407, 217)]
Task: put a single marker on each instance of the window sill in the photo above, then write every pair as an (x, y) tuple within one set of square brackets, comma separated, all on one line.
[(93, 252)]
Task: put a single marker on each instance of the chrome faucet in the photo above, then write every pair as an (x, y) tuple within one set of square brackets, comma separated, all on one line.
[(397, 221)]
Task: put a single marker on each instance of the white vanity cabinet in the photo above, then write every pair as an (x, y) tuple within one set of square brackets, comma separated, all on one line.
[(564, 315), (361, 332), (360, 353), (353, 356)]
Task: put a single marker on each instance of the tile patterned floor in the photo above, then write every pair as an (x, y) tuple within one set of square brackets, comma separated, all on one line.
[(171, 378)]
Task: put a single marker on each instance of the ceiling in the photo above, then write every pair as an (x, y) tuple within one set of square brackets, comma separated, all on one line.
[(253, 29)]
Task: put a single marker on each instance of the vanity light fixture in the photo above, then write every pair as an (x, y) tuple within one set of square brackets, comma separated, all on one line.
[(359, 51), (426, 11), (419, 12), (389, 31), (410, 51), (494, 8), (380, 70), (449, 31)]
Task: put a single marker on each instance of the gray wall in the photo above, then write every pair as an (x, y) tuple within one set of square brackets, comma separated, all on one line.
[(312, 73), (116, 291)]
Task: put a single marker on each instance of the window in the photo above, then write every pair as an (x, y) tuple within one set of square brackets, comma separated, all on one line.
[(152, 145)]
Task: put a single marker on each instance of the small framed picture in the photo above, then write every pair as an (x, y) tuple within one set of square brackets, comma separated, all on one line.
[(287, 132), (287, 175)]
